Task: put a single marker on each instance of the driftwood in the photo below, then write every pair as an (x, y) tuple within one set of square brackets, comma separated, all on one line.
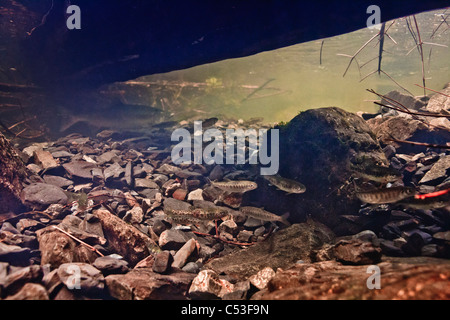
[(12, 174)]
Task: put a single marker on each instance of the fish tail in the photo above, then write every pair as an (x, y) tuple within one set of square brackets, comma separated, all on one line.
[(284, 218)]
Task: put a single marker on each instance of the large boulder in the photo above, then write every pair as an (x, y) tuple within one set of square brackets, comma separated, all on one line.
[(144, 284), (282, 250), (418, 278), (125, 239), (320, 148)]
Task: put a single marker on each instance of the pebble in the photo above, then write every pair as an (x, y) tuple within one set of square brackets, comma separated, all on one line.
[(262, 278), (191, 267), (111, 265), (39, 196), (163, 262), (195, 195), (89, 281), (186, 252)]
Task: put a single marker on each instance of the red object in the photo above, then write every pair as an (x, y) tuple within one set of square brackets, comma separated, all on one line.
[(432, 194)]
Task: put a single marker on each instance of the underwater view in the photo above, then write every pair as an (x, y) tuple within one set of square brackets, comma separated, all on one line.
[(303, 165)]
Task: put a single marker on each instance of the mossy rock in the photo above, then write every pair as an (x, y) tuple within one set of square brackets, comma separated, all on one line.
[(316, 149)]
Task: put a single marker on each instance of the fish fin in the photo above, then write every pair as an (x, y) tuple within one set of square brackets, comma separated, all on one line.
[(284, 218), (71, 120)]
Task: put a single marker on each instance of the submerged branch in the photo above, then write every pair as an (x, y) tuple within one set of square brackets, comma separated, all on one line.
[(433, 90), (433, 115), (429, 145), (78, 240)]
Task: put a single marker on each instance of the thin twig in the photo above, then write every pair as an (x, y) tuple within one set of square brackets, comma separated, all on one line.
[(78, 240), (429, 145), (433, 90), (433, 115)]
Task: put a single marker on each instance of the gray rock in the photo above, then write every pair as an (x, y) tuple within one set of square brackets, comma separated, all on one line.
[(245, 236), (79, 169), (18, 277), (228, 226), (140, 183), (186, 174), (57, 181), (160, 179), (92, 225), (45, 160), (366, 235), (134, 216), (114, 171), (174, 204), (30, 291), (110, 265), (186, 252), (168, 169), (81, 276), (253, 223), (216, 173), (14, 255), (191, 267), (403, 100), (388, 248), (239, 292), (429, 250), (439, 102), (174, 239), (107, 157), (62, 154), (195, 195), (415, 243), (144, 284), (357, 252), (162, 263), (39, 196), (262, 278), (438, 171), (208, 285)]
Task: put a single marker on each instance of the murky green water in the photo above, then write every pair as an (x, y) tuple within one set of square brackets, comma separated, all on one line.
[(294, 80)]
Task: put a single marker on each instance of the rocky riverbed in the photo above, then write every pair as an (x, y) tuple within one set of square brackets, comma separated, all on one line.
[(96, 223)]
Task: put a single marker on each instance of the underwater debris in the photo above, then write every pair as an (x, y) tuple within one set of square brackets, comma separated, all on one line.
[(284, 184), (386, 195), (264, 215)]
